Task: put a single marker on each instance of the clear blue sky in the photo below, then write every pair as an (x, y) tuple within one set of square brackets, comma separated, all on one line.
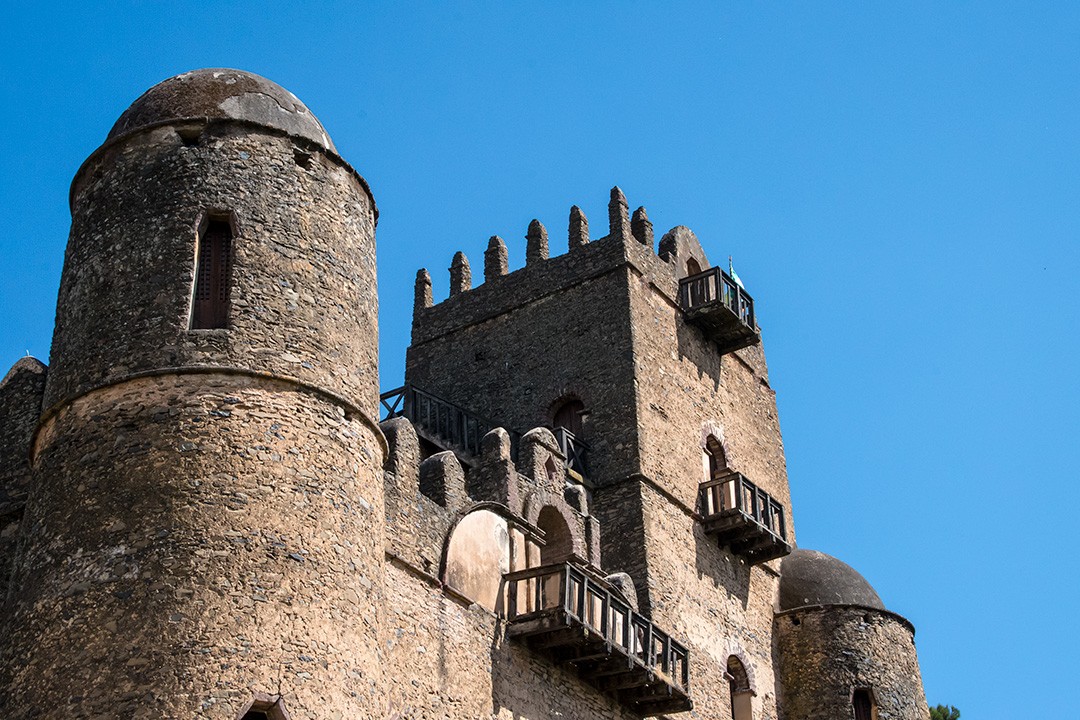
[(898, 183)]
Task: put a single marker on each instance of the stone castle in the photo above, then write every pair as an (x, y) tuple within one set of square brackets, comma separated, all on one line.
[(576, 507)]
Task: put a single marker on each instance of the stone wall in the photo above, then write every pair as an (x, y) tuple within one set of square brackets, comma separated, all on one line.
[(825, 653), (21, 391), (687, 389), (713, 599), (303, 299), (568, 334), (454, 661), (192, 540)]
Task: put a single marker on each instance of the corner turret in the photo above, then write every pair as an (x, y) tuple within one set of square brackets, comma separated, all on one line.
[(207, 470)]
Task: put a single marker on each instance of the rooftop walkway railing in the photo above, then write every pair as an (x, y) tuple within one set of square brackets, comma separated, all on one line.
[(453, 427)]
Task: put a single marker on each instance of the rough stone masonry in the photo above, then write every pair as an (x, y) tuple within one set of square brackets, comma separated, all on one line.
[(577, 506)]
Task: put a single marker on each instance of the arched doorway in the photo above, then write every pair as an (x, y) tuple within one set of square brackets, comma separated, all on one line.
[(862, 704), (558, 543), (741, 694), (568, 424)]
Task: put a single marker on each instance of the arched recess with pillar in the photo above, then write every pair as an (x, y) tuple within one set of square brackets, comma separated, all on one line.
[(742, 692)]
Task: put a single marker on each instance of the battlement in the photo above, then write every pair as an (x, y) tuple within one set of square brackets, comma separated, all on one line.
[(629, 242), (519, 541), (425, 496), (678, 269)]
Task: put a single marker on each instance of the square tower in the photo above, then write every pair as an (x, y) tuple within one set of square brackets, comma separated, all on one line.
[(647, 363)]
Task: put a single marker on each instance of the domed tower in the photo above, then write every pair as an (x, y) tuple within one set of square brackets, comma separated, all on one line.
[(841, 653), (204, 535)]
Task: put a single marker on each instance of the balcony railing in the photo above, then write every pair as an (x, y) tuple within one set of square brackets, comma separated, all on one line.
[(744, 517), (721, 307), (581, 621)]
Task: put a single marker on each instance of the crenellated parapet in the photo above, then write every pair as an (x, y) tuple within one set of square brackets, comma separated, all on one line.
[(629, 241)]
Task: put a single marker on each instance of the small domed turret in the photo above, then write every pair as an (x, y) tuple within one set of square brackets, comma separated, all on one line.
[(219, 93), (840, 651), (809, 577)]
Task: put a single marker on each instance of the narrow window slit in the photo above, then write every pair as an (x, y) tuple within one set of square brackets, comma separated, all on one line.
[(863, 705), (210, 299), (302, 158)]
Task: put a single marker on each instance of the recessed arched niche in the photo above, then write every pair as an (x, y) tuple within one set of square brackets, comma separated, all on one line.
[(483, 546)]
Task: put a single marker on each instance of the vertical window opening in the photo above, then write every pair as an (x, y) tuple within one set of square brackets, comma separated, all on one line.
[(264, 707), (213, 260), (863, 704), (692, 268)]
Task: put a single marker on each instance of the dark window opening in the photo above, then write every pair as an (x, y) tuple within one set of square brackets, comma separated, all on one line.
[(189, 136), (692, 268), (302, 159), (210, 300), (265, 707), (863, 704), (569, 416)]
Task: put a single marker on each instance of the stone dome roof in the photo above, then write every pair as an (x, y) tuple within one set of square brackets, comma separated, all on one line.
[(809, 577), (223, 93)]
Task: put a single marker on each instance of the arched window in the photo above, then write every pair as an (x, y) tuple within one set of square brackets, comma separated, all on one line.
[(714, 461), (568, 415), (558, 543), (862, 704), (741, 694), (692, 267), (568, 424), (213, 258)]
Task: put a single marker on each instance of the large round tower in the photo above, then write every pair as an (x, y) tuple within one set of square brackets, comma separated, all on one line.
[(841, 653), (205, 529)]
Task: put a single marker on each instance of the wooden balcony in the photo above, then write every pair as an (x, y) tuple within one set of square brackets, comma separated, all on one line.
[(743, 517), (583, 623), (721, 308)]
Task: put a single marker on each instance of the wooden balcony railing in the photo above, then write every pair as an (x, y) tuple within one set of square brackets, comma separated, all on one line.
[(723, 309), (744, 517), (581, 621)]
